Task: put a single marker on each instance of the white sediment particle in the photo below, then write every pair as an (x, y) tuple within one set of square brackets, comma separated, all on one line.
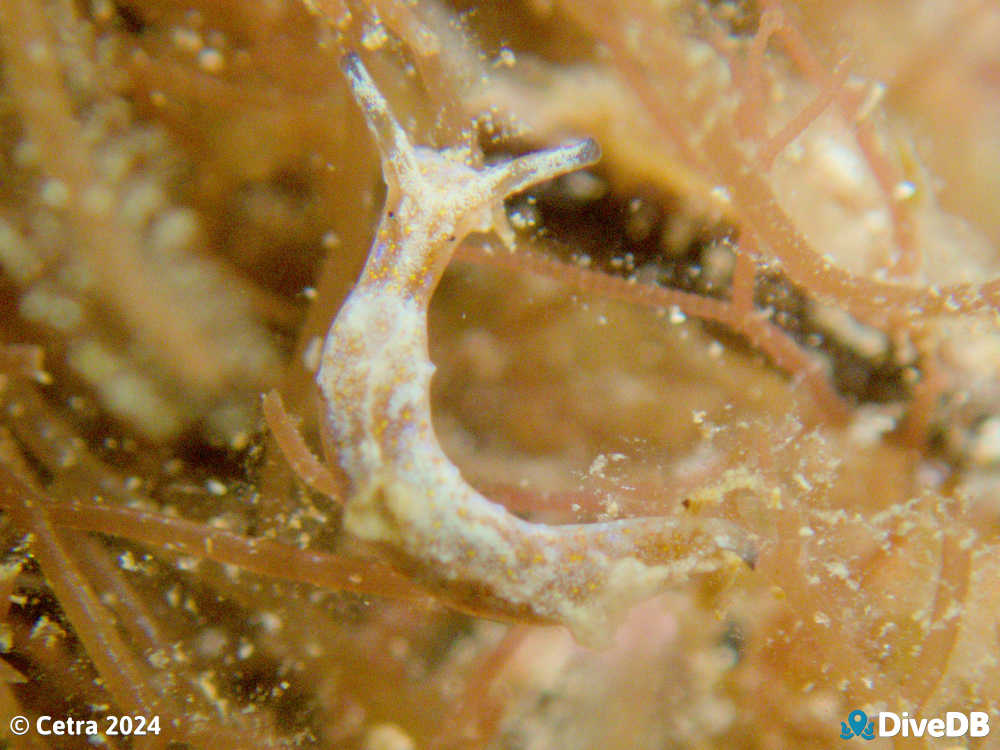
[(210, 642), (598, 465), (387, 737), (869, 426), (142, 200), (904, 190), (331, 240), (55, 193), (374, 36), (865, 340), (722, 195), (968, 540), (211, 60), (173, 230), (837, 569), (954, 610), (843, 167), (97, 200), (173, 596), (16, 256), (506, 58), (985, 450), (46, 306), (127, 561), (876, 93), (215, 487), (271, 622), (187, 40), (311, 355)]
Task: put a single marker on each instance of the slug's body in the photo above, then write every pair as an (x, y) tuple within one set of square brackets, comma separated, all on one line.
[(403, 492)]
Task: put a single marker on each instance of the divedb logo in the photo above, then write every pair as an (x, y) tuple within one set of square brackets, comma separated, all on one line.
[(889, 724)]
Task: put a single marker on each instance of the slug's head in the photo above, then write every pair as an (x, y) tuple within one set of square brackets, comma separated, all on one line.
[(448, 198)]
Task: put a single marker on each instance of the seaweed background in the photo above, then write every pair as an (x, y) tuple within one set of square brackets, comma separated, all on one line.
[(187, 194)]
